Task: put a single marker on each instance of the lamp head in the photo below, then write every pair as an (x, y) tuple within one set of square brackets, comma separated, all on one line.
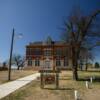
[(20, 35)]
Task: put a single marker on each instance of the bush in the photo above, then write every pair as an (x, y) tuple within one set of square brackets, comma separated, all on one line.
[(97, 65), (3, 68)]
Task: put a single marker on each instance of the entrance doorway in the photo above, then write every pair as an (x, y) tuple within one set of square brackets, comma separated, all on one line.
[(47, 65)]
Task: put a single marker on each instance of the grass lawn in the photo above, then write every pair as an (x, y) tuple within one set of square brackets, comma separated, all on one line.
[(66, 89), (15, 74)]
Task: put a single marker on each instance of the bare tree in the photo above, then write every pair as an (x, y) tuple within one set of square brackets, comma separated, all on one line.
[(77, 31), (18, 60)]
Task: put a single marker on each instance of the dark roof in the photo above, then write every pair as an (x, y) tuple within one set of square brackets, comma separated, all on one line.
[(45, 43), (48, 41), (37, 42)]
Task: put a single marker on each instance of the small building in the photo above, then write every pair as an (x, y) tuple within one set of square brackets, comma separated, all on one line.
[(48, 54)]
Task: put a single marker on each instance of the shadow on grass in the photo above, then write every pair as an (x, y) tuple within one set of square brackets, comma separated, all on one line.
[(59, 88), (97, 71), (83, 79), (64, 79), (95, 79)]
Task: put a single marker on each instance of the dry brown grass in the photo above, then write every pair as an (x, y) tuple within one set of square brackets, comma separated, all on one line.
[(15, 74), (66, 89)]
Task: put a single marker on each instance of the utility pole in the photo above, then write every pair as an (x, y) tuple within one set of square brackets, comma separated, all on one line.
[(10, 59)]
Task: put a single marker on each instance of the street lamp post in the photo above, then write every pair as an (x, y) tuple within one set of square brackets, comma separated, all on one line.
[(10, 59)]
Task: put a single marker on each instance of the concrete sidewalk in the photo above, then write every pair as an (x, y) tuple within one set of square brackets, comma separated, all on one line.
[(7, 88)]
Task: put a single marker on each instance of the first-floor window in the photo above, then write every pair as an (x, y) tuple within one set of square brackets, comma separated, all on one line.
[(37, 62), (29, 62), (65, 61), (58, 63)]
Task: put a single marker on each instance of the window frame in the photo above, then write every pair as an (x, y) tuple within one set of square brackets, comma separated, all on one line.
[(30, 63), (37, 62)]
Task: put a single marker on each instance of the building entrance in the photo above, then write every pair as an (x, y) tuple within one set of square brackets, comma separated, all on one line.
[(47, 64)]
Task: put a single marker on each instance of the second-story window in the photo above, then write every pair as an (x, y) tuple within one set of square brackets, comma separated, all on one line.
[(37, 51), (28, 51), (47, 52), (58, 52)]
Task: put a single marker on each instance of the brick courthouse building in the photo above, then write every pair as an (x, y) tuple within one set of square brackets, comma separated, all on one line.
[(48, 54)]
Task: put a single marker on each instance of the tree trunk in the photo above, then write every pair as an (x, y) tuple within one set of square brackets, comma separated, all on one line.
[(75, 74), (86, 67), (86, 64), (74, 63), (81, 65), (18, 67)]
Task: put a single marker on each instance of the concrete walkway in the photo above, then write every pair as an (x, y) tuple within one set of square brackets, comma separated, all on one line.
[(7, 88)]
